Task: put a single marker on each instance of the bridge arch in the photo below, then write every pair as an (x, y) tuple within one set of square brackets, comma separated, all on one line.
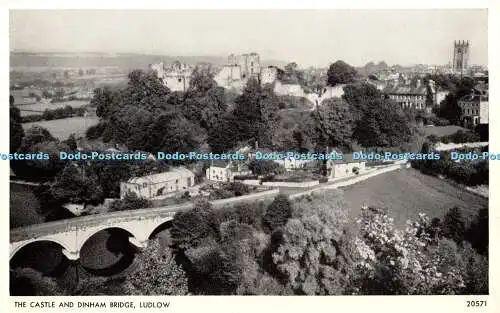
[(24, 244), (159, 226), (86, 235)]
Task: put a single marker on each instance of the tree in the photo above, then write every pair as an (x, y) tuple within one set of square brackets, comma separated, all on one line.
[(341, 73), (72, 185), (38, 140), (202, 80), (453, 225), (221, 138), (449, 109), (195, 227), (390, 261), (169, 132), (16, 129), (204, 101), (130, 202), (360, 97), (46, 94), (277, 213), (477, 232), (103, 101), (384, 124), (158, 273), (265, 167), (28, 282), (255, 114), (310, 257), (334, 124), (71, 142)]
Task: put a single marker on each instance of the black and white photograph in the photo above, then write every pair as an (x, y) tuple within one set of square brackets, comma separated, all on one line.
[(323, 152)]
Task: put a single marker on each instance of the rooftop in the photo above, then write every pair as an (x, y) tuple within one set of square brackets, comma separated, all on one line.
[(175, 173), (474, 98), (406, 90)]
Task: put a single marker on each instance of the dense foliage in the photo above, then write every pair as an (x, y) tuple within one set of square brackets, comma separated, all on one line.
[(130, 202), (16, 129), (158, 273), (391, 261), (341, 73), (55, 114), (467, 172), (460, 137)]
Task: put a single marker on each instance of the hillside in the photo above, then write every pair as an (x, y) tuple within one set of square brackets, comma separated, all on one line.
[(125, 61)]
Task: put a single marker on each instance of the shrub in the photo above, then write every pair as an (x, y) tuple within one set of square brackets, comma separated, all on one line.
[(130, 202), (158, 273), (390, 261), (278, 213), (265, 167)]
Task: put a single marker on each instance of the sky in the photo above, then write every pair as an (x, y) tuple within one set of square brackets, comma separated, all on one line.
[(310, 38)]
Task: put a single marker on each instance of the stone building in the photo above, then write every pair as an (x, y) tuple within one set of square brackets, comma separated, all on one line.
[(240, 68), (269, 75), (418, 96), (249, 64), (176, 77), (157, 185), (345, 167), (474, 109), (461, 50), (291, 164), (225, 171)]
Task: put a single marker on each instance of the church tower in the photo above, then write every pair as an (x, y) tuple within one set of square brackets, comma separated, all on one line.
[(460, 56)]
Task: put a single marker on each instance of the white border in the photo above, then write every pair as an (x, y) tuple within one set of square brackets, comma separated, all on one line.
[(267, 304)]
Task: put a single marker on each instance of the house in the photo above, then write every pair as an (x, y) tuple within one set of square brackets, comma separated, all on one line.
[(292, 164), (474, 109), (345, 167), (156, 185), (410, 95), (225, 171)]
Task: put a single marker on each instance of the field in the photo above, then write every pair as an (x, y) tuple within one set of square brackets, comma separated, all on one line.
[(407, 192), (442, 130), (40, 106), (61, 129)]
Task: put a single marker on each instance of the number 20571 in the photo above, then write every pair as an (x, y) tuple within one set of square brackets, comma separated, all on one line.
[(476, 304)]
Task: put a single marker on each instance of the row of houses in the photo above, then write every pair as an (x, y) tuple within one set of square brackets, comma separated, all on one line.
[(226, 171), (181, 179)]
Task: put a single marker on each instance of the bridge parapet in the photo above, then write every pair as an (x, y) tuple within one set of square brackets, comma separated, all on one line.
[(72, 234)]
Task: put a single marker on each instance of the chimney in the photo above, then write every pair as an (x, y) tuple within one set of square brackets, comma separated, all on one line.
[(419, 83)]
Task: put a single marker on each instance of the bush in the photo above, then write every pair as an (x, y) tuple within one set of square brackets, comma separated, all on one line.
[(28, 282), (278, 213), (130, 202), (158, 273), (96, 131), (461, 137), (265, 167), (403, 263)]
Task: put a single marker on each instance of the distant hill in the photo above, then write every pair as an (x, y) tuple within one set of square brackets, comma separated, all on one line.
[(124, 61), (372, 68)]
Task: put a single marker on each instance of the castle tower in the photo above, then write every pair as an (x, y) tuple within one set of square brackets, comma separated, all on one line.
[(461, 56)]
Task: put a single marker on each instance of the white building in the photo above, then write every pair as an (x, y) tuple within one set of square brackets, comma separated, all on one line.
[(292, 164), (225, 171), (156, 185), (345, 168)]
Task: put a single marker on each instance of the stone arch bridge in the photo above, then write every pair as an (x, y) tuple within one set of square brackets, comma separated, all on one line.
[(71, 234)]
